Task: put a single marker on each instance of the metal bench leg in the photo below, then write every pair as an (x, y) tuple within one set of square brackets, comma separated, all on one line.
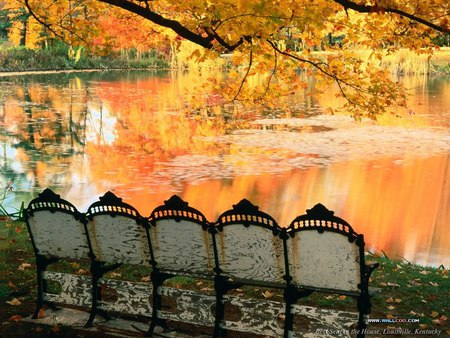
[(219, 315), (40, 295), (98, 269), (41, 265), (95, 297), (221, 286), (291, 296), (158, 279), (288, 321), (364, 307)]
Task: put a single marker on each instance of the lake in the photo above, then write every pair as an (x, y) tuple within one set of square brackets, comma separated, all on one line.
[(139, 135)]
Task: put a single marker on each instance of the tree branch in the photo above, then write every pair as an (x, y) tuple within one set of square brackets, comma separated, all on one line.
[(49, 27), (250, 62), (317, 65), (360, 8), (177, 27)]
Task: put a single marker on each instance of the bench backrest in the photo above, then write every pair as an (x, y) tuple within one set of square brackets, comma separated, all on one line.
[(248, 245), (181, 240), (324, 251), (56, 227), (117, 232)]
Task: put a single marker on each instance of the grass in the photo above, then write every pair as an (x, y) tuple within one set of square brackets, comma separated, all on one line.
[(408, 291), (15, 59)]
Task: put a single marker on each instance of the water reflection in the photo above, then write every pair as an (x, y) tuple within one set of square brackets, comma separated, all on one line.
[(136, 133)]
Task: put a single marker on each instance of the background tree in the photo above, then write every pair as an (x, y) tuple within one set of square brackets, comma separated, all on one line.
[(259, 33)]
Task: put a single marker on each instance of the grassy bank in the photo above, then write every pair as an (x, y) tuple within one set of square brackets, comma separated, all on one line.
[(408, 292), (18, 59)]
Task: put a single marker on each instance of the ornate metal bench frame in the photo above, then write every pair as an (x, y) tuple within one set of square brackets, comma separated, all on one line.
[(209, 243)]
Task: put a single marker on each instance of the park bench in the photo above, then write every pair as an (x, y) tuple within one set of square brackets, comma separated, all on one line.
[(318, 252)]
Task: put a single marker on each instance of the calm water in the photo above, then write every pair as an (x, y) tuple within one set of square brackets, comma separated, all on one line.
[(138, 135)]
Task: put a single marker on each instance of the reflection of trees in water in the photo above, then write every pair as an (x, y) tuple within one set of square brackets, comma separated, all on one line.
[(44, 125)]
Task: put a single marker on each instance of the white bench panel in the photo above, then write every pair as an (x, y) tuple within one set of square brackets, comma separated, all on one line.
[(58, 234), (250, 253), (118, 239), (182, 247), (75, 289), (132, 297), (324, 260), (258, 316), (191, 306)]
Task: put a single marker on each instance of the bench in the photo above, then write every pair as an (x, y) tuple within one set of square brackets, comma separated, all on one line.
[(317, 252)]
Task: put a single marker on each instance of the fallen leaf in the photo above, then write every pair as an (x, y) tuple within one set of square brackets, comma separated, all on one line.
[(392, 284), (15, 318), (206, 289), (390, 300), (397, 300), (390, 307), (389, 316), (423, 326), (267, 294), (18, 230), (414, 283), (41, 313), (423, 272), (15, 302), (112, 274), (11, 285), (434, 284), (434, 314), (146, 279), (23, 266)]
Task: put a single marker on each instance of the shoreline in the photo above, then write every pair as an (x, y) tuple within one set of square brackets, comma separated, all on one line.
[(68, 71)]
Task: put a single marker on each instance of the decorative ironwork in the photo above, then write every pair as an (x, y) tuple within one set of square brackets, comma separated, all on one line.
[(173, 209), (321, 219), (177, 209), (110, 204), (243, 213), (48, 200), (247, 213)]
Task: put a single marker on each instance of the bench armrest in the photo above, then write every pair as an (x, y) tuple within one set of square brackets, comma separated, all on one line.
[(370, 267)]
